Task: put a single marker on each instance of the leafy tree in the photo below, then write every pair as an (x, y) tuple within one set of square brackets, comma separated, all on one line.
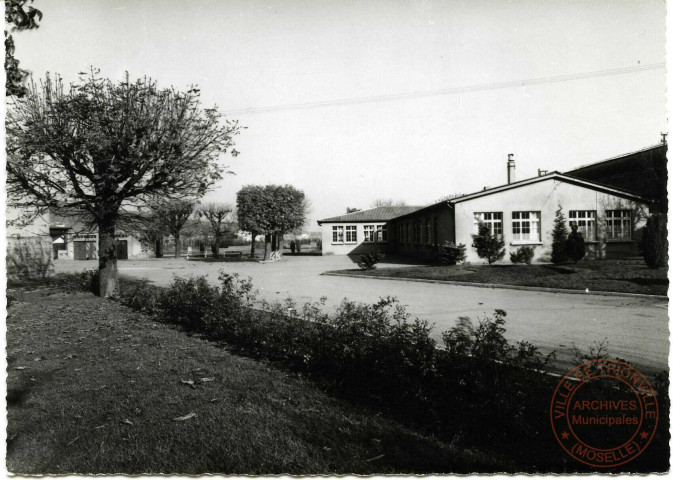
[(218, 215), (102, 146), (559, 252), (654, 242), (251, 204), (272, 211), (285, 213), (488, 246), (172, 217), (575, 248), (20, 18)]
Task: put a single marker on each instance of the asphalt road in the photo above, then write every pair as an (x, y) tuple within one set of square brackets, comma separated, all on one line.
[(635, 329)]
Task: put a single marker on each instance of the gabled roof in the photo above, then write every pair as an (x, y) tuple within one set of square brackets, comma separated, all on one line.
[(552, 176), (378, 214)]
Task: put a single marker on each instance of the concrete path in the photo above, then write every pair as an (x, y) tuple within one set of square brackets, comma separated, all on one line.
[(635, 329)]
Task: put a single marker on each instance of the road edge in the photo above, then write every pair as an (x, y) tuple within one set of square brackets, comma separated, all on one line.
[(503, 286)]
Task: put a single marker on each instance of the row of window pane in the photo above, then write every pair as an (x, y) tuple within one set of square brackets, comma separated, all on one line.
[(373, 233), (418, 231), (526, 225)]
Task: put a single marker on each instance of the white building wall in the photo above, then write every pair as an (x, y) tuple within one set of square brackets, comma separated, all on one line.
[(545, 197), (355, 248)]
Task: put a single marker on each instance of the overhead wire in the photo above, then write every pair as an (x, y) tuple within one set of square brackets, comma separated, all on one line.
[(448, 91)]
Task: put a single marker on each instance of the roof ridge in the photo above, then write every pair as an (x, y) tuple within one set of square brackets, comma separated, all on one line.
[(652, 147)]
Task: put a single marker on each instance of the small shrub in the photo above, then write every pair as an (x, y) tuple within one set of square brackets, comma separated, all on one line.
[(84, 281), (187, 300), (368, 261), (575, 248), (293, 246), (299, 246), (559, 234), (522, 255), (452, 254), (489, 247), (654, 242)]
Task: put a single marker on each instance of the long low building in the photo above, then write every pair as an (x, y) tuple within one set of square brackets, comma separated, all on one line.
[(522, 213)]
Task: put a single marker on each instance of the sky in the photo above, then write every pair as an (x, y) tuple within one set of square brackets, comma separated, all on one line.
[(411, 146)]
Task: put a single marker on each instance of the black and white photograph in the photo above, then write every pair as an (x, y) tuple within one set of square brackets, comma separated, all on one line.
[(327, 238)]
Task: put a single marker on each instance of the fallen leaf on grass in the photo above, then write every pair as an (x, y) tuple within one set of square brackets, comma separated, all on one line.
[(72, 441), (214, 400), (206, 379), (186, 417), (373, 459), (20, 368), (127, 421), (12, 437), (188, 382)]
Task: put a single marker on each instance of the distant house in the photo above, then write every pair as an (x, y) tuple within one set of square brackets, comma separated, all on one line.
[(359, 232), (521, 212), (66, 238)]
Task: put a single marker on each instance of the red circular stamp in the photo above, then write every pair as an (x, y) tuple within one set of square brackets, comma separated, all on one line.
[(604, 413)]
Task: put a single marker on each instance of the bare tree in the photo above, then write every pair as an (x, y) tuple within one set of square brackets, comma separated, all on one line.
[(219, 216), (172, 217), (388, 202), (101, 146)]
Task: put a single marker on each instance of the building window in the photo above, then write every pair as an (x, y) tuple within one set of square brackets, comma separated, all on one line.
[(526, 226), (382, 233), (492, 219), (434, 231), (428, 239), (586, 223), (399, 233), (618, 224), (419, 232), (369, 233), (337, 234), (351, 234)]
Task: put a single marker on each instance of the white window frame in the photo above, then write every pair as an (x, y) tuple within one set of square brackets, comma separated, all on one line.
[(351, 231), (381, 235), (494, 220), (530, 220), (586, 223), (337, 231), (624, 227), (370, 235)]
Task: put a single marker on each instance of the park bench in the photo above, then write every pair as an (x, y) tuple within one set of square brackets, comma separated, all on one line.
[(236, 253)]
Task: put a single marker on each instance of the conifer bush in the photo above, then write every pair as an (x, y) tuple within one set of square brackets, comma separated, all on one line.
[(559, 253), (575, 248), (488, 246), (654, 242)]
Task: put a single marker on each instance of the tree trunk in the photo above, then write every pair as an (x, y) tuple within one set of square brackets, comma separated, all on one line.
[(252, 246), (274, 242), (216, 251), (107, 259), (159, 247), (177, 246), (267, 246)]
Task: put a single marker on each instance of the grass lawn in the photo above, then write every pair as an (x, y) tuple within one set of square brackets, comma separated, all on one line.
[(622, 275), (94, 387)]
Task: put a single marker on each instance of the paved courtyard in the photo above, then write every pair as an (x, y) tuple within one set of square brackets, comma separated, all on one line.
[(636, 329)]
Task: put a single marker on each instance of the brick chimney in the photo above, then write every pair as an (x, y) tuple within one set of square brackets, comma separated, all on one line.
[(511, 169)]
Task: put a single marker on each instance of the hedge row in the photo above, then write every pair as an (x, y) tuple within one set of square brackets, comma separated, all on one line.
[(475, 389)]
